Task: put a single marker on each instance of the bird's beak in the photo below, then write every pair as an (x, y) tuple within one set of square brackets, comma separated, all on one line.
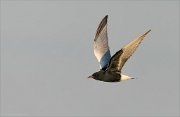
[(90, 77)]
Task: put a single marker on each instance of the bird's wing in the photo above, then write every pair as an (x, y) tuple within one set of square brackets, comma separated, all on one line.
[(101, 47), (119, 58)]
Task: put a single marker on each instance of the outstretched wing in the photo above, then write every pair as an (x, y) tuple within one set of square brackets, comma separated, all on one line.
[(119, 58), (101, 48)]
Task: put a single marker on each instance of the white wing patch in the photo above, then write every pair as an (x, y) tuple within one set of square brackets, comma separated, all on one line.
[(101, 47)]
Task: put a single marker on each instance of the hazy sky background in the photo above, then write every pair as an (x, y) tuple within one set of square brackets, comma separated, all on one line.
[(47, 55)]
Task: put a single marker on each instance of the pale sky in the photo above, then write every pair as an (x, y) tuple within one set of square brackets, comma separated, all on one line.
[(47, 55)]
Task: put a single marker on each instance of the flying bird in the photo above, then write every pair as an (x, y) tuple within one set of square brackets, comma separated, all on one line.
[(110, 67)]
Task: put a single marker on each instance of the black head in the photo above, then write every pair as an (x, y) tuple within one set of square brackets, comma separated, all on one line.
[(94, 75), (97, 75)]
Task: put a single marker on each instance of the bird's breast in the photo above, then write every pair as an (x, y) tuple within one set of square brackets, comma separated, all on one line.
[(112, 76)]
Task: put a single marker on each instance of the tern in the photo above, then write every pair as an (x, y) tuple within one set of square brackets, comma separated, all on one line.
[(110, 67)]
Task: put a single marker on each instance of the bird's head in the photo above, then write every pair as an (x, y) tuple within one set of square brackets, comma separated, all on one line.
[(94, 75), (97, 75)]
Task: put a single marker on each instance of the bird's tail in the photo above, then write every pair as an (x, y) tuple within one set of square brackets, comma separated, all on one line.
[(125, 77)]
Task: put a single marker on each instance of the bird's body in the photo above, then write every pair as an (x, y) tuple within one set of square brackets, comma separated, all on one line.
[(110, 76), (107, 76), (111, 66)]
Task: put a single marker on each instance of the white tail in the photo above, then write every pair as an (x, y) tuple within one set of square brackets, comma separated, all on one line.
[(125, 77)]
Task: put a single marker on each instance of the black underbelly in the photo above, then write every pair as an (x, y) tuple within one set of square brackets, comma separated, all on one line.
[(112, 77)]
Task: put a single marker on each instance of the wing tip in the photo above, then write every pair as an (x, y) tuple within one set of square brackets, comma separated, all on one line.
[(106, 17), (147, 32), (104, 21), (101, 26)]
